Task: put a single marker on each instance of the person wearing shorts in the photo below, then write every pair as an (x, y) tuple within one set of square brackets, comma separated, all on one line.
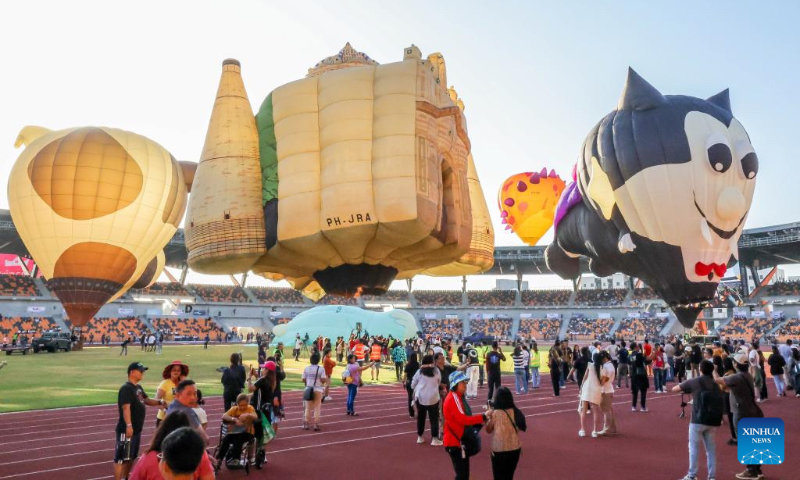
[(131, 402)]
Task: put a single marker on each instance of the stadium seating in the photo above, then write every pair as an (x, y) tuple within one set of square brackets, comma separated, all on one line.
[(535, 298), (492, 298), (390, 296), (498, 327), (645, 293), (589, 328), (277, 296), (446, 327), (791, 289), (338, 300), (539, 328), (17, 286), (438, 298), (640, 328), (221, 293), (196, 328), (747, 329), (281, 321), (31, 325), (116, 328), (791, 330), (600, 298), (163, 288)]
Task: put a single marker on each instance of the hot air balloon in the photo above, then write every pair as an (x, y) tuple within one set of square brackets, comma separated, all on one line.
[(346, 179), (152, 272), (527, 203), (94, 207), (663, 188)]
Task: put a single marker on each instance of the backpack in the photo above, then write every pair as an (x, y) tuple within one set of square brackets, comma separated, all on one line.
[(710, 407)]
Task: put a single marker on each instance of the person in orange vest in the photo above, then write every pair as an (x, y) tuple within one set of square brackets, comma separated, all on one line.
[(360, 351), (375, 357)]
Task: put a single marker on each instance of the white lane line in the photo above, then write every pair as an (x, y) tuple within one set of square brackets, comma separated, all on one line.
[(26, 474), (54, 456)]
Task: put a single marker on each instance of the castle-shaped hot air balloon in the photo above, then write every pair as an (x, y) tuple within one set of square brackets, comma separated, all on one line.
[(343, 181)]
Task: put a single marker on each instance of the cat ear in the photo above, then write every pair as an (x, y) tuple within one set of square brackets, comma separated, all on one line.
[(638, 94), (722, 100)]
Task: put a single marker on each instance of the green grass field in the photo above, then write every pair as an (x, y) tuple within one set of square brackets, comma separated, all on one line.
[(93, 376)]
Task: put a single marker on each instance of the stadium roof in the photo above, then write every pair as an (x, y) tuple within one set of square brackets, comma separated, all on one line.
[(765, 246)]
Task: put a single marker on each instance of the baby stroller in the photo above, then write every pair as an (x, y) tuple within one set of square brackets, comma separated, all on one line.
[(238, 456)]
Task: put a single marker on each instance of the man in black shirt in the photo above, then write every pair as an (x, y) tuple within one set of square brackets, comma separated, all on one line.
[(707, 409), (493, 360), (130, 403)]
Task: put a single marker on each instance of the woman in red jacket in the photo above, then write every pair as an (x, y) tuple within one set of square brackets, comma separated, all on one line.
[(457, 415)]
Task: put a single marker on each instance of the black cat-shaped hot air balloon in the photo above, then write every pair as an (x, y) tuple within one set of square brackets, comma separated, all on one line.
[(662, 189)]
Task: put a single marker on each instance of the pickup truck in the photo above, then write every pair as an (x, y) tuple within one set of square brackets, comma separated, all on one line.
[(52, 342)]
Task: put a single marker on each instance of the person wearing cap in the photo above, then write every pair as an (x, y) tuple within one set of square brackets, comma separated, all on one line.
[(172, 375), (457, 417), (264, 401), (743, 403), (473, 370), (131, 401)]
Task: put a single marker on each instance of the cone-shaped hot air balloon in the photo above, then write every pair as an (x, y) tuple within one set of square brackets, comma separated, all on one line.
[(663, 187), (363, 178), (527, 203), (94, 206)]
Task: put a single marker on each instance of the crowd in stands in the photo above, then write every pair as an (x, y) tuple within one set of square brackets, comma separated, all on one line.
[(497, 327), (338, 300), (31, 325), (221, 293), (492, 298), (539, 328), (535, 298), (790, 330), (437, 298), (191, 327), (277, 296), (791, 288), (748, 329), (391, 296), (445, 327), (17, 286), (281, 321), (112, 329), (600, 298), (640, 328), (583, 328), (164, 288), (645, 293)]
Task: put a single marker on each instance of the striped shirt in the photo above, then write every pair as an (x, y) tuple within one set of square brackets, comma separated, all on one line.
[(519, 361)]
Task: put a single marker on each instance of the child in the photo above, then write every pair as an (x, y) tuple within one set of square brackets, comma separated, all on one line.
[(240, 430), (505, 423)]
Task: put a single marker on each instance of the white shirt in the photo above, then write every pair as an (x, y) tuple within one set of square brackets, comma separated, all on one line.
[(438, 349), (753, 358), (612, 350), (201, 415), (527, 356), (298, 343), (607, 370), (312, 371), (426, 389)]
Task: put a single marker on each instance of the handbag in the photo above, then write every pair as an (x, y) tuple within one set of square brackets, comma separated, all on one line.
[(308, 393), (266, 427), (470, 440)]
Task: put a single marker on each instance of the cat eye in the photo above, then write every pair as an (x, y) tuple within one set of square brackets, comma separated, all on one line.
[(719, 157), (750, 165)]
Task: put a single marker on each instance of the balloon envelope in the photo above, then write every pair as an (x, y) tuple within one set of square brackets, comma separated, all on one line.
[(527, 203)]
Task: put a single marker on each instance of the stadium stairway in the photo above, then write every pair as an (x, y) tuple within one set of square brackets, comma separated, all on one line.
[(562, 332), (615, 327), (571, 302), (251, 296), (778, 326), (721, 325), (41, 287), (668, 327)]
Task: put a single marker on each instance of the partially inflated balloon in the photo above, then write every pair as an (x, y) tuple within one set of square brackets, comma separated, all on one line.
[(93, 206), (527, 203), (663, 187), (152, 272)]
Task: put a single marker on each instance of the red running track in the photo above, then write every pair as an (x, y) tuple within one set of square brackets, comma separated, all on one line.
[(77, 443)]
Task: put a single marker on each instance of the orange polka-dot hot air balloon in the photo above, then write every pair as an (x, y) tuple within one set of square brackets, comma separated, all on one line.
[(527, 203)]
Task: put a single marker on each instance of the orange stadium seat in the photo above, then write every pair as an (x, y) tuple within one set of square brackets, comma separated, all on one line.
[(498, 327), (438, 298), (492, 298), (277, 296), (163, 288), (640, 328), (791, 330), (534, 298), (17, 286), (589, 328), (31, 325), (195, 327), (221, 293), (600, 298), (539, 328), (117, 329), (446, 327), (747, 329)]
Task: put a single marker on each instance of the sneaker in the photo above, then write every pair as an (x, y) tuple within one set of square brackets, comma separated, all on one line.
[(749, 475), (733, 441), (689, 477), (420, 440), (436, 442), (594, 434), (581, 433), (328, 398), (634, 409), (758, 400), (305, 426), (316, 428), (645, 410)]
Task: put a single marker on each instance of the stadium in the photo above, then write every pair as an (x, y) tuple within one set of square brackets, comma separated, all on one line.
[(628, 309)]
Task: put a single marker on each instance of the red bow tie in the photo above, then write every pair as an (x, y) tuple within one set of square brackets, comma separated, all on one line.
[(703, 269)]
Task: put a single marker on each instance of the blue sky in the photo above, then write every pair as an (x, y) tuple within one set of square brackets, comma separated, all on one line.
[(535, 76)]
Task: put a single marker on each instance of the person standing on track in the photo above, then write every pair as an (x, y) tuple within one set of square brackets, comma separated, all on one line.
[(233, 379), (131, 401), (353, 373), (458, 418), (399, 358), (314, 378), (328, 364), (607, 375), (408, 375), (426, 396), (535, 364), (360, 351), (375, 359), (639, 381), (172, 375), (493, 375), (554, 362), (505, 424), (339, 349), (520, 383), (473, 371), (623, 370), (147, 468), (482, 351)]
